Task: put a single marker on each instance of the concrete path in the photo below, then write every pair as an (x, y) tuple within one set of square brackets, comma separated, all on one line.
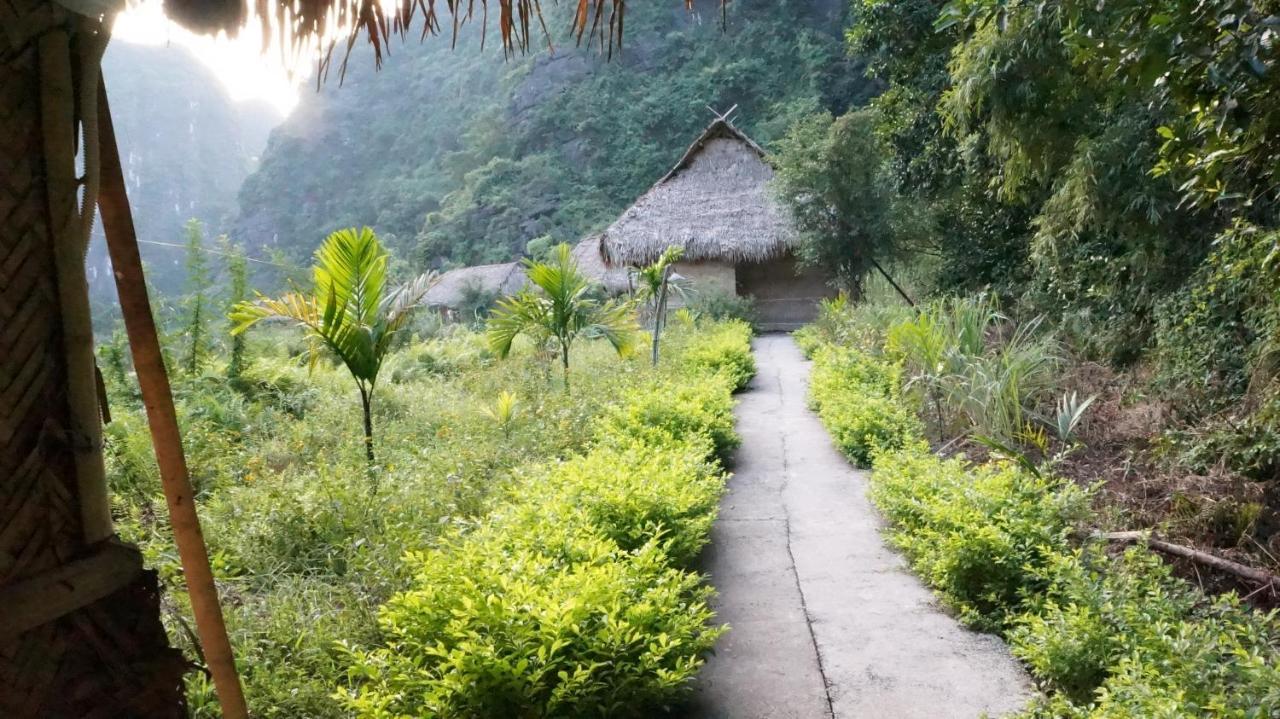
[(826, 620)]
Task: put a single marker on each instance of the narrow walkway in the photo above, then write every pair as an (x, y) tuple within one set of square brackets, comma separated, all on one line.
[(826, 620)]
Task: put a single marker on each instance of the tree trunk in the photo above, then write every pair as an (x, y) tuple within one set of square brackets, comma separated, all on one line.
[(660, 313), (564, 363), (366, 403)]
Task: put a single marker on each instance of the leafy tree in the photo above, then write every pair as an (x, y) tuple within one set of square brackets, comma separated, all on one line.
[(832, 178), (562, 308), (195, 303), (653, 284), (350, 310)]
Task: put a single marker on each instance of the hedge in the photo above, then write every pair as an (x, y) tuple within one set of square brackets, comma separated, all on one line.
[(574, 597)]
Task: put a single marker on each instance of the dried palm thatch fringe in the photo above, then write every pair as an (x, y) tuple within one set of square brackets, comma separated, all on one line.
[(715, 203), (105, 654), (291, 23)]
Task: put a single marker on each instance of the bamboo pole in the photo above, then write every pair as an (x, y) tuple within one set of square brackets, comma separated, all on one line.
[(58, 107), (157, 397)]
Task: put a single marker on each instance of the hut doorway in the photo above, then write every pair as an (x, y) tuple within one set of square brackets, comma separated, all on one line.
[(786, 294)]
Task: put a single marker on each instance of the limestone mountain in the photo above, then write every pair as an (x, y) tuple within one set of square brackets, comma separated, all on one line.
[(461, 157)]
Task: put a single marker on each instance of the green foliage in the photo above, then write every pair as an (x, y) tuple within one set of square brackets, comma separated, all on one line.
[(973, 367), (237, 292), (978, 536), (632, 494), (831, 176), (653, 284), (196, 302), (725, 348), (1125, 638), (1221, 337), (503, 411), (350, 311), (563, 624), (561, 309), (570, 599), (719, 305), (858, 399), (659, 414), (469, 157), (1102, 637), (294, 534)]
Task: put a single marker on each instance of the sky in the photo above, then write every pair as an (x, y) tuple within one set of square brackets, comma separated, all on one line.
[(240, 63)]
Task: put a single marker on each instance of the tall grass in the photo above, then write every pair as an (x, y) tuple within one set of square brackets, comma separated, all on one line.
[(974, 369)]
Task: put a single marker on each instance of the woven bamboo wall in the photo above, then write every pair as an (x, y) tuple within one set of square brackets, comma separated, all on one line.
[(99, 649)]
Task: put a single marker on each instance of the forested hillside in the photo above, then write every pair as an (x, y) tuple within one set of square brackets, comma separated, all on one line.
[(186, 147), (460, 157)]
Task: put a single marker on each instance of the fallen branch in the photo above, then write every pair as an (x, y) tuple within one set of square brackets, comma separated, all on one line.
[(1237, 569)]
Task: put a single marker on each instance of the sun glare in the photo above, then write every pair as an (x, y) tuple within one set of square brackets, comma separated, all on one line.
[(247, 71)]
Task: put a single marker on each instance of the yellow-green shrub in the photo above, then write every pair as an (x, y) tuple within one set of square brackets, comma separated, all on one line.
[(570, 599), (560, 623), (1125, 638), (980, 535), (662, 413), (724, 348), (632, 495), (858, 399)]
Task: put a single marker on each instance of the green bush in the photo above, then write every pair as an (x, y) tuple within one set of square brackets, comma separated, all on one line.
[(857, 397), (980, 537), (1125, 638), (864, 425), (660, 414), (725, 348), (633, 494), (567, 624), (570, 599), (722, 306)]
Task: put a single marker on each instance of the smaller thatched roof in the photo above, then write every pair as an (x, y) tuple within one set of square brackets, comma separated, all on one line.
[(501, 280), (590, 259), (715, 203)]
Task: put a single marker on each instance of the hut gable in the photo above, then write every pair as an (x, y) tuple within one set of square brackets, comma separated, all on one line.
[(501, 280), (591, 262), (715, 203)]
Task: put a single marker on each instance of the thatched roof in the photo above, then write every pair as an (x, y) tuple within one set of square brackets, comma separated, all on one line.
[(519, 23), (587, 254), (715, 203), (501, 280)]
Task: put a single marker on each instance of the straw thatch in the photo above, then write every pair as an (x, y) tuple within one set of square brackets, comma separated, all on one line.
[(519, 23), (452, 288), (590, 259), (715, 203)]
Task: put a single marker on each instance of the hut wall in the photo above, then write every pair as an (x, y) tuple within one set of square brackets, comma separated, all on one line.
[(786, 294), (80, 631), (707, 277)]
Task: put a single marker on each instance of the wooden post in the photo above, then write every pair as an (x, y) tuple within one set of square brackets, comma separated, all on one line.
[(157, 397)]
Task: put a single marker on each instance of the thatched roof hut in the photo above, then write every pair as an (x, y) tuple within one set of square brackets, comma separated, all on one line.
[(716, 204), (455, 287)]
